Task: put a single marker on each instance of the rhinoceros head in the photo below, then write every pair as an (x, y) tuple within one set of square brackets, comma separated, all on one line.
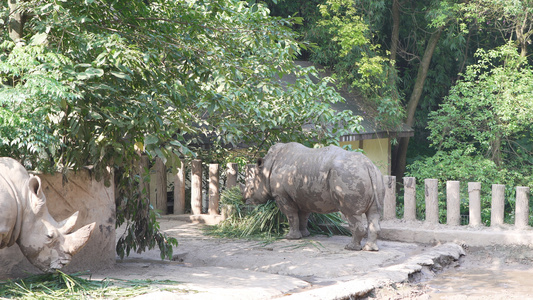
[(256, 189), (46, 243)]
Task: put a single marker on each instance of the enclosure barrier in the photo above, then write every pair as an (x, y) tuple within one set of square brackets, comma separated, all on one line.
[(453, 196), (453, 202)]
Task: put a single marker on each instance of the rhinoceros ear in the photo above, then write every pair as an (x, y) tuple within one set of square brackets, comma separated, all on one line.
[(260, 163), (68, 224), (34, 184), (76, 240), (37, 197)]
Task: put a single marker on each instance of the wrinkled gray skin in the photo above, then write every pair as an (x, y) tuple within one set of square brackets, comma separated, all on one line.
[(325, 180), (24, 218)]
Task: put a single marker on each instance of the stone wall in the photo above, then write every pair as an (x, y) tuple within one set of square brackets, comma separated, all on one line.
[(95, 203)]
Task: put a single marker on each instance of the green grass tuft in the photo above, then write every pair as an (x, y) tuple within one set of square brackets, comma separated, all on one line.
[(266, 221), (59, 285)]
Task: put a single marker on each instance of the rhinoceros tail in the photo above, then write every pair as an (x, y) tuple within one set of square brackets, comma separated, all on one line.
[(377, 185)]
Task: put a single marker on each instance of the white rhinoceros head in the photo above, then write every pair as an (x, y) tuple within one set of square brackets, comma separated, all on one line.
[(46, 243), (256, 191)]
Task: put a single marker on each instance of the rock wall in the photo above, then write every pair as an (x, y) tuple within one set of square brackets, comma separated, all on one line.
[(95, 203)]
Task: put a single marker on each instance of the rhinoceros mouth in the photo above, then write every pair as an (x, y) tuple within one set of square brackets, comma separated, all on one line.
[(58, 264)]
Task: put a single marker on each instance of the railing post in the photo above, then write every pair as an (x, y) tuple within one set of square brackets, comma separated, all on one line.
[(474, 197), (214, 195), (409, 198), (453, 203), (522, 207), (159, 201), (432, 201), (389, 202), (498, 205), (179, 190), (196, 187), (231, 174)]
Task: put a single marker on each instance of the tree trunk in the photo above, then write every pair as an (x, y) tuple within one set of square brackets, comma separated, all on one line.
[(16, 21), (395, 29), (401, 153), (522, 36), (496, 145), (394, 45)]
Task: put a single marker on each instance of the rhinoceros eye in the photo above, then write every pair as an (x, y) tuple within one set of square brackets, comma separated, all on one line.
[(50, 238)]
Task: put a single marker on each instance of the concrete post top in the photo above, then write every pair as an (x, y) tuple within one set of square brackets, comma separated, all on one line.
[(474, 186)]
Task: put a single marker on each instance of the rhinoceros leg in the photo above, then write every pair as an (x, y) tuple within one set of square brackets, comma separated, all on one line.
[(290, 210), (294, 227), (358, 232), (372, 215), (303, 218)]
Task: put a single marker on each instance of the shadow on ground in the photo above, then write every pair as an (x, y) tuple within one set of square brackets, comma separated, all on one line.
[(316, 267)]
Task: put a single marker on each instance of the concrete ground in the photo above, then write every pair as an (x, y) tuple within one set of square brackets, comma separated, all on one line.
[(316, 267)]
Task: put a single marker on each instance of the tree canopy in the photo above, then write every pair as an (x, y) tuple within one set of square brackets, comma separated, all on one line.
[(97, 83), (456, 71), (490, 110)]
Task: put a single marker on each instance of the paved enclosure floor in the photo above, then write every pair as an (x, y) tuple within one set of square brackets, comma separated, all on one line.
[(316, 267)]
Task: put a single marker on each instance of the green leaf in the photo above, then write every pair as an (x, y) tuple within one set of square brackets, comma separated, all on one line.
[(94, 72), (90, 73), (95, 115), (121, 75), (39, 38), (150, 140)]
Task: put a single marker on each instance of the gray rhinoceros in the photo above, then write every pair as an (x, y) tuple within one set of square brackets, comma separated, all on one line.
[(24, 219), (303, 180)]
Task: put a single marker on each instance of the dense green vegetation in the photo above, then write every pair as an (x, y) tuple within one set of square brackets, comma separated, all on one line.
[(482, 131), (98, 83), (458, 72)]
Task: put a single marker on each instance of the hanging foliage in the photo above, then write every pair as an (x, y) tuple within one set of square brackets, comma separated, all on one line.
[(97, 83)]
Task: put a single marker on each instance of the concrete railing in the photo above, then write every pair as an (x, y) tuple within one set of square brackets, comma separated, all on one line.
[(198, 193), (453, 202), (405, 228)]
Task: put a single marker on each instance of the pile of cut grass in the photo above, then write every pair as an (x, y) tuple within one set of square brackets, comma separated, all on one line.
[(265, 221), (59, 285)]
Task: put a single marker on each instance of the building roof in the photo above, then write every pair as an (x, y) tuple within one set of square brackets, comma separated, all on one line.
[(371, 128)]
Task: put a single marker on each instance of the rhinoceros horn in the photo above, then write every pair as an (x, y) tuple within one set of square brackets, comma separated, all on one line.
[(76, 240), (68, 224)]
